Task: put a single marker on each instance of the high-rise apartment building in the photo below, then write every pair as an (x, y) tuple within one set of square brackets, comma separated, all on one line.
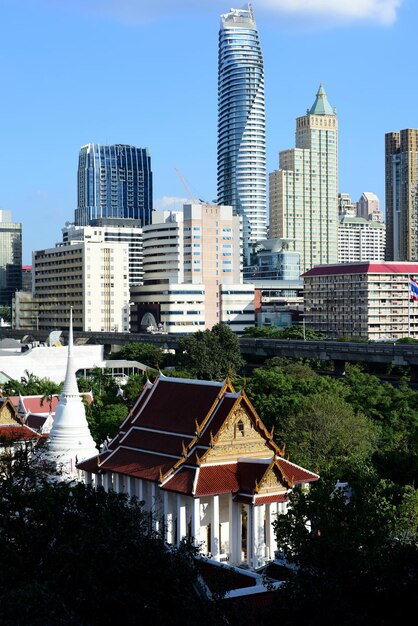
[(91, 276), (346, 207), (114, 182), (241, 124), (112, 230), (193, 272), (401, 179), (10, 258), (304, 191), (360, 239)]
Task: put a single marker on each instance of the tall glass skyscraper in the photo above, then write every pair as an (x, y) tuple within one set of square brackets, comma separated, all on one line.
[(241, 123), (114, 182)]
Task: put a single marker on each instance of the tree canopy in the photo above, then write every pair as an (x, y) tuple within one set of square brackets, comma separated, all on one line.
[(211, 354)]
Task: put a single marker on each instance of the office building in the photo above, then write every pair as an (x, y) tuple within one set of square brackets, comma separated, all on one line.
[(10, 258), (114, 182), (91, 276), (113, 230), (369, 207), (304, 191), (192, 272), (361, 239), (365, 300), (241, 124), (401, 178)]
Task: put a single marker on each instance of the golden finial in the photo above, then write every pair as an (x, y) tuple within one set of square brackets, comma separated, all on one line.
[(183, 449), (197, 427), (212, 441), (197, 460), (161, 476)]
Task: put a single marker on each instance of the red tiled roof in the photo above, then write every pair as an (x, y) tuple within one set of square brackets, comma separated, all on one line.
[(363, 268), (155, 441), (174, 406), (11, 432), (295, 473), (182, 481), (216, 479), (279, 497), (234, 580), (35, 406), (138, 464)]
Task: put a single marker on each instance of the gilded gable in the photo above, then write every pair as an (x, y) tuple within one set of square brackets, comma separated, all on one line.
[(7, 414), (238, 438), (272, 481)]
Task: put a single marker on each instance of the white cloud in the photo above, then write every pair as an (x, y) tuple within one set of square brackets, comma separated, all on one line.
[(137, 11), (169, 203)]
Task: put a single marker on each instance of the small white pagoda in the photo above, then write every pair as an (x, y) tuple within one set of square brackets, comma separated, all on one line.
[(70, 440)]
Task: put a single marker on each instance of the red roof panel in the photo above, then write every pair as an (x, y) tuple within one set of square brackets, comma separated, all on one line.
[(138, 464), (295, 473), (182, 481), (155, 441), (10, 433)]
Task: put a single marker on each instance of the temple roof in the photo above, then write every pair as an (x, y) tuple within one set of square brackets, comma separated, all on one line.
[(321, 106), (178, 433)]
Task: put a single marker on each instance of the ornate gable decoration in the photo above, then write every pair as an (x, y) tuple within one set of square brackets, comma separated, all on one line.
[(273, 481), (8, 413), (238, 437)]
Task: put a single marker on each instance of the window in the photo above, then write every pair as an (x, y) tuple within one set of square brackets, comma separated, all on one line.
[(239, 429)]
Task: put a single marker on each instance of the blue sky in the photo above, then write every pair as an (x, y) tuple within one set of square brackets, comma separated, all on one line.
[(144, 72)]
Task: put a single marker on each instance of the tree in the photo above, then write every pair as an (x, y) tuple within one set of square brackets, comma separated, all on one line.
[(104, 421), (211, 354), (73, 555), (145, 353), (355, 551)]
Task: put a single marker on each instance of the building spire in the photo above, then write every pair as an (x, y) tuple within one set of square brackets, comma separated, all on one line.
[(70, 440), (321, 106)]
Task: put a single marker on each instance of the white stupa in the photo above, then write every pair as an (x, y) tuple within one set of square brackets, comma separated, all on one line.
[(70, 440)]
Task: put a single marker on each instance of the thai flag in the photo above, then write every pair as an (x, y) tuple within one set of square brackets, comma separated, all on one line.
[(413, 288)]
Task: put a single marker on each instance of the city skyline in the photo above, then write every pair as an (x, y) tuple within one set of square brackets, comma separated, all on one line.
[(57, 58)]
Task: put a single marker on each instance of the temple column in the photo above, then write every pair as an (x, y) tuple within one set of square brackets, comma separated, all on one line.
[(119, 486), (107, 481), (250, 535), (214, 524), (168, 518), (98, 480), (140, 492), (271, 517), (260, 534), (196, 521), (181, 519), (235, 531), (153, 509), (130, 487), (88, 478)]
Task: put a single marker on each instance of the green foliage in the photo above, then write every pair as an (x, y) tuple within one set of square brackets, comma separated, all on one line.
[(291, 332), (104, 420), (211, 354), (145, 353), (72, 555), (30, 385), (407, 340), (357, 557), (6, 313)]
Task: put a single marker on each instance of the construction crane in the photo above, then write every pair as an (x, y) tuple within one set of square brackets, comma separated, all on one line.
[(183, 182)]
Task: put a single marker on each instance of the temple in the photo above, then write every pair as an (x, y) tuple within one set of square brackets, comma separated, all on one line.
[(206, 467)]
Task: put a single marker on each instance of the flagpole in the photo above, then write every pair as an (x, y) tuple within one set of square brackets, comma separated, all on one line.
[(409, 305)]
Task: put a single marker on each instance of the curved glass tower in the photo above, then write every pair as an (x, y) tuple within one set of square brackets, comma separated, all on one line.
[(241, 123), (114, 182)]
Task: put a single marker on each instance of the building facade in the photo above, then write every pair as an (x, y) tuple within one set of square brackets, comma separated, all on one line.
[(241, 152), (366, 300), (91, 276), (346, 207), (361, 239), (401, 179), (192, 272), (117, 231), (10, 258), (205, 466), (304, 191), (114, 182)]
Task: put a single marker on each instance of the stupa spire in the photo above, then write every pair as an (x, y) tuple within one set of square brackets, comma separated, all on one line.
[(70, 440)]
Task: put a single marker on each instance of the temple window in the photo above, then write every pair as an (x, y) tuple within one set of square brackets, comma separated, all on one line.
[(239, 429)]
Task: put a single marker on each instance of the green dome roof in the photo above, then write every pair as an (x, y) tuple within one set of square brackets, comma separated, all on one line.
[(321, 106)]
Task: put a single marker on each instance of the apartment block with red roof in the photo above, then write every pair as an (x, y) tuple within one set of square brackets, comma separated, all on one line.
[(367, 300), (206, 467)]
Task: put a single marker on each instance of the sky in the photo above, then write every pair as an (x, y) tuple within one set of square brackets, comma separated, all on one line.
[(144, 72)]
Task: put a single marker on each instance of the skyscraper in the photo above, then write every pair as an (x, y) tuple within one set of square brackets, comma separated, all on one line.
[(10, 258), (241, 123), (401, 179), (114, 182), (304, 191)]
